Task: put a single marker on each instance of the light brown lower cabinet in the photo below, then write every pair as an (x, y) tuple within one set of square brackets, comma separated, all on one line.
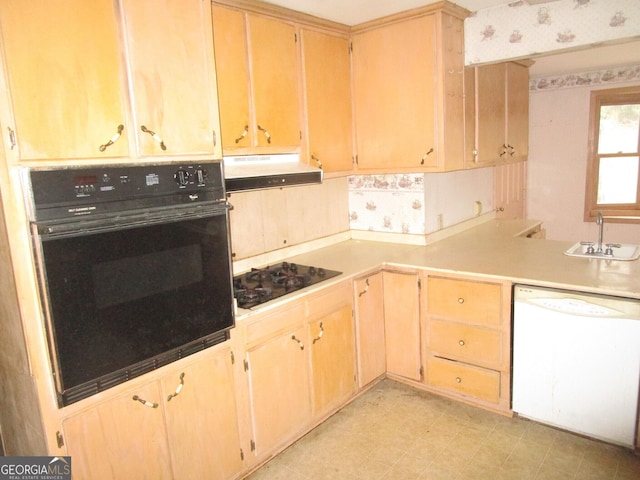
[(468, 338), (402, 324), (464, 378), (277, 372), (300, 367), (332, 337), (369, 313), (150, 432)]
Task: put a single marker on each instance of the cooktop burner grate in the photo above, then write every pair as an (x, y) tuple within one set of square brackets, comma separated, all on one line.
[(260, 285)]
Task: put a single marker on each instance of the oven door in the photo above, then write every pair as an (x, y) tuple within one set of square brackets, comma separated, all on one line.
[(128, 297)]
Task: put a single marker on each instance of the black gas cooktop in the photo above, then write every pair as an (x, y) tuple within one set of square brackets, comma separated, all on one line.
[(260, 285)]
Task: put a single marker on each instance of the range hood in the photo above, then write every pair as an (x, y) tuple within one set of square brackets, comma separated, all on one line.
[(253, 172)]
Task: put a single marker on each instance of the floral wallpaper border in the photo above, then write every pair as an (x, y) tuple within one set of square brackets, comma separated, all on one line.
[(599, 77), (520, 30)]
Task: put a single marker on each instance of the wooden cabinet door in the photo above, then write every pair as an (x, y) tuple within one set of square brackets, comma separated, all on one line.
[(451, 119), (65, 88), (258, 75), (172, 71), (229, 38), (327, 81), (510, 190), (202, 419), (394, 95), (332, 359), (279, 389), (402, 324), (517, 111), (274, 64), (370, 328), (490, 114), (121, 438)]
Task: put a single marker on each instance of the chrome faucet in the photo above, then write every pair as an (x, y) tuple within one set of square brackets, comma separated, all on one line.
[(600, 223)]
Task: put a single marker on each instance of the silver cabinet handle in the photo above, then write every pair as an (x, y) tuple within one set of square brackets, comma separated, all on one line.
[(366, 288), (178, 388), (293, 337), (266, 133), (155, 136), (244, 134), (461, 343), (113, 139), (461, 300), (145, 402), (317, 339)]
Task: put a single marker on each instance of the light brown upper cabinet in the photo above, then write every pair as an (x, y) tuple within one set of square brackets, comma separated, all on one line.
[(497, 114), (66, 89), (327, 87), (69, 93), (257, 63), (408, 77), (172, 73)]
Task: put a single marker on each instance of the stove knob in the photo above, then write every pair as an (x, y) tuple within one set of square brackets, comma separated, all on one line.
[(182, 177), (321, 272), (312, 270), (200, 175)]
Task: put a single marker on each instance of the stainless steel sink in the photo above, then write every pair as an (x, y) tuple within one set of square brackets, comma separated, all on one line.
[(617, 251)]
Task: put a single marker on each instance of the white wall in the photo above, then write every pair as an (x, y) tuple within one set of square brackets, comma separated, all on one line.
[(557, 167)]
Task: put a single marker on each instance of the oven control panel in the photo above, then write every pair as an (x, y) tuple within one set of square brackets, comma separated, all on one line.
[(67, 192)]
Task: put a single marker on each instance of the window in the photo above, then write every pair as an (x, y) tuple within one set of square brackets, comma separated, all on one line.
[(613, 171)]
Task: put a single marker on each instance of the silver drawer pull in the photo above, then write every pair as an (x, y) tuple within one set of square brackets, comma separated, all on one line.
[(461, 300), (461, 343), (458, 380)]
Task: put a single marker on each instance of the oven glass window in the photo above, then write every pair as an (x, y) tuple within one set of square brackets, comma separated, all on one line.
[(127, 296)]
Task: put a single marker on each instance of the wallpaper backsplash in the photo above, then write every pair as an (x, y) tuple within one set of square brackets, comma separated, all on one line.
[(519, 30), (387, 203), (418, 203)]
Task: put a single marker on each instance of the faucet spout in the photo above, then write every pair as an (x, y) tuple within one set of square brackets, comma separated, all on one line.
[(600, 223)]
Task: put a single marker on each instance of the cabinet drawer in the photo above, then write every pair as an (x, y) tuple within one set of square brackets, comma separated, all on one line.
[(469, 343), (471, 302), (282, 320), (329, 300), (465, 379)]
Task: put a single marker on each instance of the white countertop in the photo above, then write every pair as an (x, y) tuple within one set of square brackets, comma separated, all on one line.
[(491, 249)]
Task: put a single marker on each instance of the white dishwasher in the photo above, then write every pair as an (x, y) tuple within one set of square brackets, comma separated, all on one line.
[(576, 361)]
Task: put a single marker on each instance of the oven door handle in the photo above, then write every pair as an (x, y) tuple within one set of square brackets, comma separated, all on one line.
[(87, 225)]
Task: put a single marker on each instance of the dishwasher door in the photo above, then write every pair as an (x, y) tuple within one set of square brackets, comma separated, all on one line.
[(576, 362)]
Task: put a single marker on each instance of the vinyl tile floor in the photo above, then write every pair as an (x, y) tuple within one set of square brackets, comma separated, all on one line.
[(395, 432)]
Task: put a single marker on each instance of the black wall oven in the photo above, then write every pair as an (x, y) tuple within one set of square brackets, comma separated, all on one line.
[(134, 267)]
